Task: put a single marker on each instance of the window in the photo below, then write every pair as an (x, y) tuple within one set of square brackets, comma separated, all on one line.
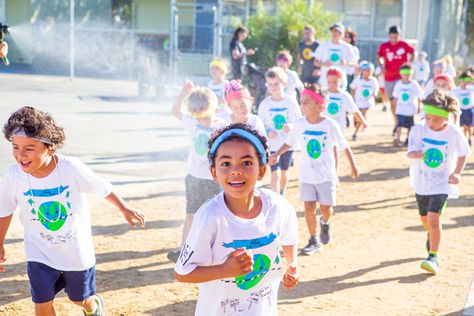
[(122, 13), (387, 13)]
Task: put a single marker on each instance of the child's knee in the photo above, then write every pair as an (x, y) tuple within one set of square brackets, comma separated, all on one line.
[(44, 307), (310, 206), (433, 220)]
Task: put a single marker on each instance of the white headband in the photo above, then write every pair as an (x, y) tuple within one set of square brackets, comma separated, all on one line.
[(20, 132)]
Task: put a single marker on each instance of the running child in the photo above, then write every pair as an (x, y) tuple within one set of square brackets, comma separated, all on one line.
[(340, 101), (381, 81), (218, 70), (407, 95), (284, 61), (200, 121), (240, 102), (438, 69), (365, 88), (438, 151), (422, 69), (465, 98), (278, 113), (319, 136), (232, 251), (50, 191)]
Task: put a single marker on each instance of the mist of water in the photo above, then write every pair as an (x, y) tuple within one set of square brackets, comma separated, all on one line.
[(99, 50)]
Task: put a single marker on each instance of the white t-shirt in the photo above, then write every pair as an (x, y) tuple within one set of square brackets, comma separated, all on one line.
[(430, 174), (327, 51), (365, 91), (253, 121), (219, 91), (294, 83), (429, 87), (198, 163), (55, 212), (338, 104), (422, 70), (351, 70), (275, 115), (407, 95), (318, 163), (216, 232), (465, 98)]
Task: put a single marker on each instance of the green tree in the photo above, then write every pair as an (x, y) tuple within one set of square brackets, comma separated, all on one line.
[(283, 28)]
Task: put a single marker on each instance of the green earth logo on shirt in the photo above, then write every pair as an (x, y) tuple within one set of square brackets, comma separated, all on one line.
[(279, 121), (314, 148), (365, 93), (333, 108), (200, 144), (405, 97), (51, 214), (334, 57), (465, 101), (433, 158)]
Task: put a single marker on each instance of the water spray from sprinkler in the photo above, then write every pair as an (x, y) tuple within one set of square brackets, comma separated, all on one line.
[(3, 31)]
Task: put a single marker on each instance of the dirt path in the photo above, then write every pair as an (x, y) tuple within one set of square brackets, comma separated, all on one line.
[(371, 267)]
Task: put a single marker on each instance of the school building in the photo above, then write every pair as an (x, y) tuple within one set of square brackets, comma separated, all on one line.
[(110, 36)]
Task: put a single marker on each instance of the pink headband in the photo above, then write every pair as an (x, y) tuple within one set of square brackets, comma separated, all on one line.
[(238, 94), (315, 96)]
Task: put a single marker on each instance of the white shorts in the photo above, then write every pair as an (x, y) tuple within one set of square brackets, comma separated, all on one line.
[(324, 193)]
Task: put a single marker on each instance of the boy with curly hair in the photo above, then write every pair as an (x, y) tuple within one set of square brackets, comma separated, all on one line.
[(50, 191)]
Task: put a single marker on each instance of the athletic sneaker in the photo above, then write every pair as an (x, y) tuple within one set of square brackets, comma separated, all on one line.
[(354, 137), (312, 247), (406, 142), (325, 234), (100, 311), (430, 264), (428, 243), (174, 255), (384, 109)]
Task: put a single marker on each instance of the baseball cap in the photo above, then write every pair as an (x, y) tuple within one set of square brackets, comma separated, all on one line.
[(395, 29), (338, 26)]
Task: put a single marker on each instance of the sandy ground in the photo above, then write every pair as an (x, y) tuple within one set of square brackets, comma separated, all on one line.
[(370, 268)]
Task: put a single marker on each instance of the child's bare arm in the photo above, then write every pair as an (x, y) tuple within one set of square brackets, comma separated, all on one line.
[(456, 175), (4, 225), (274, 158), (130, 214), (178, 105), (291, 276), (416, 154), (239, 262), (350, 157), (360, 118)]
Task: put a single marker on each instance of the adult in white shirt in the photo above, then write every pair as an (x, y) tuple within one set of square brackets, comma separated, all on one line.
[(335, 52)]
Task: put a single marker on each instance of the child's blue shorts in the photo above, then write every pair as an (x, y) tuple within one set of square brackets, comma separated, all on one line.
[(284, 162), (46, 282)]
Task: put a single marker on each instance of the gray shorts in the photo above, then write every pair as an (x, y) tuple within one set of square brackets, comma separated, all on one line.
[(198, 191), (324, 193), (388, 86)]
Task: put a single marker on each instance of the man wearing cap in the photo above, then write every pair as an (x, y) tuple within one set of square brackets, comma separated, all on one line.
[(306, 69), (335, 53), (391, 56)]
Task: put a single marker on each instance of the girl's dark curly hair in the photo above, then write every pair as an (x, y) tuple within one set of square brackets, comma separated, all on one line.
[(36, 124), (242, 126), (442, 101)]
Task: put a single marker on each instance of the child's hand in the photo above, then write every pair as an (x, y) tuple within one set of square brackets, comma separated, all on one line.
[(3, 49), (273, 159), (132, 216), (286, 128), (354, 172), (417, 154), (272, 134), (188, 86), (454, 178), (2, 258), (238, 263), (291, 276)]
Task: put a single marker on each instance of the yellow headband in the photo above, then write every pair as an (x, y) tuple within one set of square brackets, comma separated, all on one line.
[(219, 64)]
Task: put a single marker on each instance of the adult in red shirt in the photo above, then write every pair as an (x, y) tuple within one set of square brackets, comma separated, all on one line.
[(391, 56)]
